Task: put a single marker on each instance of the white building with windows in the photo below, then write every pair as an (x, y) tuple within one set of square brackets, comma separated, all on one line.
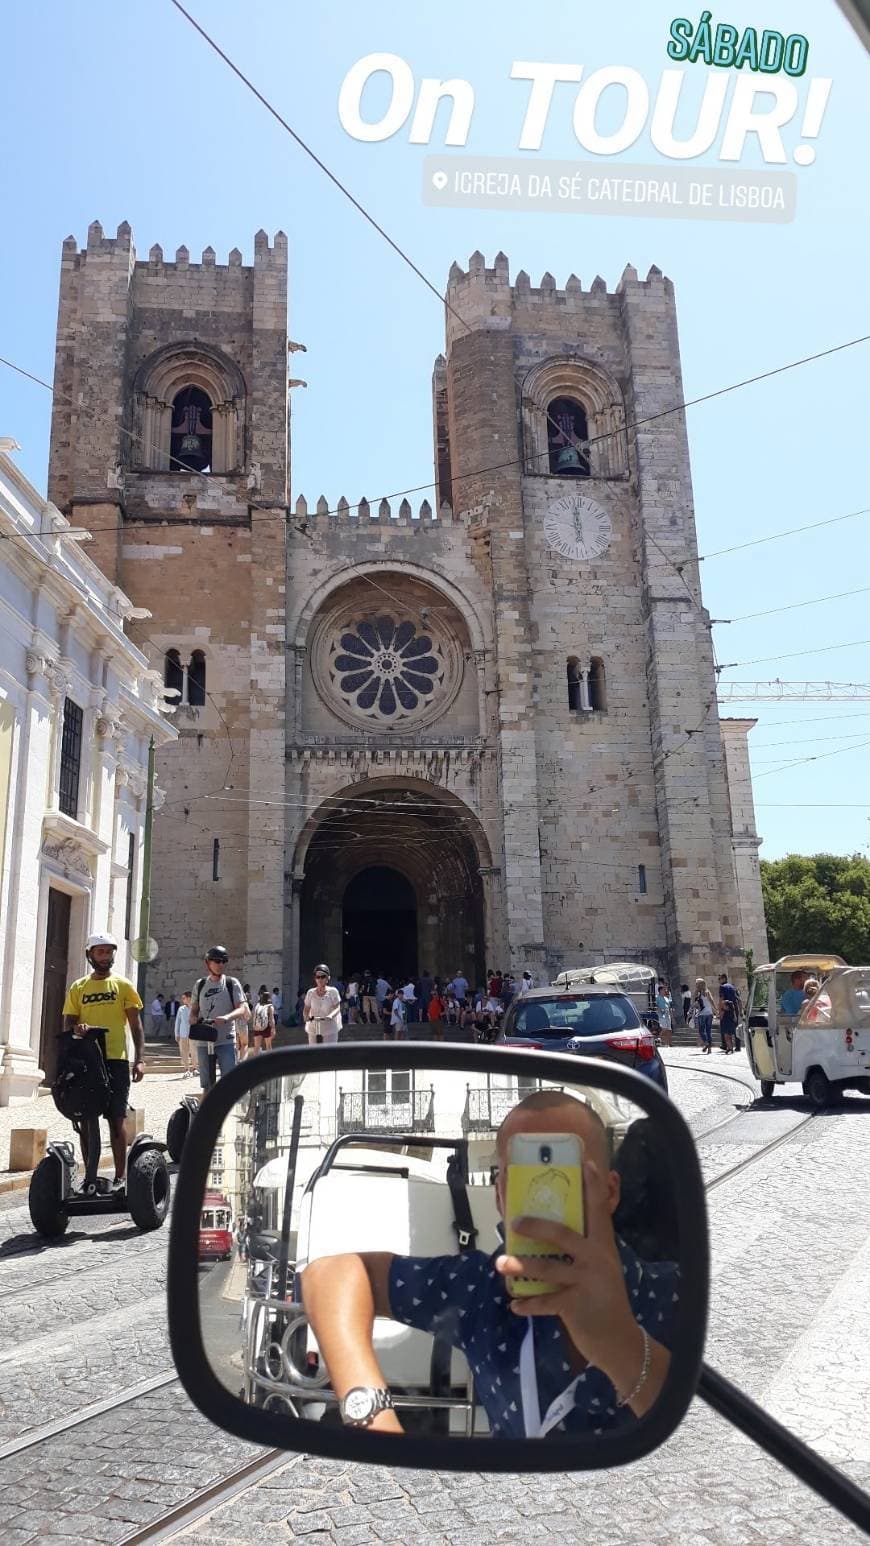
[(78, 708)]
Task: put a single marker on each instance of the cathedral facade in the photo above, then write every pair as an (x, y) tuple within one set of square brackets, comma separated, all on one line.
[(476, 731)]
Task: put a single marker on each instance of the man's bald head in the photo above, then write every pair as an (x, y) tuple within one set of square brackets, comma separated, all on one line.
[(552, 1111)]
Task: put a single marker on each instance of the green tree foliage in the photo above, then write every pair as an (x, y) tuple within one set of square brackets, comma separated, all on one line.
[(818, 902)]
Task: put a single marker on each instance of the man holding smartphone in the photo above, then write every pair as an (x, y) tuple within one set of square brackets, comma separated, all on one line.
[(590, 1355)]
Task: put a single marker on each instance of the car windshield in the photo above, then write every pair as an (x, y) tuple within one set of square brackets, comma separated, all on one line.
[(555, 1018)]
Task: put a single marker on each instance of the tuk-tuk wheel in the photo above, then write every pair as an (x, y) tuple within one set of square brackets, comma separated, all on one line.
[(817, 1087), (767, 1088)]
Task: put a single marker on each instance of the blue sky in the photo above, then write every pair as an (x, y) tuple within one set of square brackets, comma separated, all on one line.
[(121, 112)]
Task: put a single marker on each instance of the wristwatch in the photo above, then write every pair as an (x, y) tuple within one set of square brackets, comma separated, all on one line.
[(362, 1404)]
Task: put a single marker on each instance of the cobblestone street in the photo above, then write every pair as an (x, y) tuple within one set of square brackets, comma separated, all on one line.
[(84, 1320)]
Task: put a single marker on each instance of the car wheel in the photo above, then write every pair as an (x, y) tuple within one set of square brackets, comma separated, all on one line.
[(817, 1088), (47, 1213), (148, 1189)]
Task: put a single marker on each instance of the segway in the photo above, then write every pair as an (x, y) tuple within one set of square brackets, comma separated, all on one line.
[(81, 1093), (178, 1126)]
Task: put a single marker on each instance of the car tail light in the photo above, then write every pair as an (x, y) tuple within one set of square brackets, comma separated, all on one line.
[(643, 1046), (535, 1046)]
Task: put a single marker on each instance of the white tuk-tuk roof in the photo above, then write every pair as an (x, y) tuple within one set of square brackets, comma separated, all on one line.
[(844, 1000), (803, 963), (621, 972)]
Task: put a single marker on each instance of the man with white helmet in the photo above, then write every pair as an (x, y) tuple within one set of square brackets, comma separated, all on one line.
[(110, 1003)]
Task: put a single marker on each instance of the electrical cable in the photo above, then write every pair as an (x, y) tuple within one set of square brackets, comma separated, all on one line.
[(823, 649), (800, 761), (794, 606), (776, 536)]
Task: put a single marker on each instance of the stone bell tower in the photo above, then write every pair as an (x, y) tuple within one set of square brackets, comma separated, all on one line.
[(169, 442), (555, 432)]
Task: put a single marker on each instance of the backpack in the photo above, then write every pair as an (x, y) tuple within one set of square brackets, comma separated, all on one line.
[(81, 1088)]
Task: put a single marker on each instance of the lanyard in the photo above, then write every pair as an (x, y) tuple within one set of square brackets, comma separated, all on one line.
[(557, 1410)]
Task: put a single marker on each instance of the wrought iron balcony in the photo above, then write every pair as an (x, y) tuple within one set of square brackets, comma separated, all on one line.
[(486, 1106), (391, 1111)]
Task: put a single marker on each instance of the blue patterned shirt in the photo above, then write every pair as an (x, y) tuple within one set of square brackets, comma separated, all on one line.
[(464, 1299)]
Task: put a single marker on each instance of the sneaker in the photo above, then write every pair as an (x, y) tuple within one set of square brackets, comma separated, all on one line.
[(118, 1185)]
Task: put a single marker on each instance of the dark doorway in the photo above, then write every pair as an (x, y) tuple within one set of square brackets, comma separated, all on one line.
[(55, 978), (379, 924)]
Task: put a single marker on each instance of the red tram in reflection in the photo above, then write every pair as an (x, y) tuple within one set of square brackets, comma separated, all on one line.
[(215, 1228)]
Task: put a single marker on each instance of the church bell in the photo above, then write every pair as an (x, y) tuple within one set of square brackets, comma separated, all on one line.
[(568, 459)]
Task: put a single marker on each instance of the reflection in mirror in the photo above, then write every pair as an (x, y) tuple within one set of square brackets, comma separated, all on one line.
[(365, 1242)]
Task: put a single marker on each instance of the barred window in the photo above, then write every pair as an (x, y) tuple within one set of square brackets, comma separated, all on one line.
[(70, 758)]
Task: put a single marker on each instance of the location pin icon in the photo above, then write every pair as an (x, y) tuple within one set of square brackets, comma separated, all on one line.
[(439, 180)]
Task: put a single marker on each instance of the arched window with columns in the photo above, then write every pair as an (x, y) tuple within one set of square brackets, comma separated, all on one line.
[(187, 412), (573, 421)]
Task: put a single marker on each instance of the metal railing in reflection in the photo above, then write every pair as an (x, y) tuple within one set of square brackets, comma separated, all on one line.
[(486, 1106), (386, 1111), (278, 1376)]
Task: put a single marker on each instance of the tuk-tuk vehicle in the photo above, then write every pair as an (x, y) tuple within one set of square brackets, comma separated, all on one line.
[(636, 981), (824, 1045)]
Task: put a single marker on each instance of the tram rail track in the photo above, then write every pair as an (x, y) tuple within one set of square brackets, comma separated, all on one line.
[(170, 1522), (803, 1121)]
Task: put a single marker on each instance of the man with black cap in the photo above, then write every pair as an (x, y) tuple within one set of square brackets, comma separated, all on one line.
[(217, 1002)]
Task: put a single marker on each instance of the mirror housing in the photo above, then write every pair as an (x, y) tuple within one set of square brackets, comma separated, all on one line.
[(561, 1452)]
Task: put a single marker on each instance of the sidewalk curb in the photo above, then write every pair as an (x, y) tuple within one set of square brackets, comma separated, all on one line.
[(17, 1183)]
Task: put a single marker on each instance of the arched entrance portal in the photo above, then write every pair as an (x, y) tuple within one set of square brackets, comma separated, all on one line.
[(391, 882), (379, 923)]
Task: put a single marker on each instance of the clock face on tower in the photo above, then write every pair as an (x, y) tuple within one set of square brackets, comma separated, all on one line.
[(577, 527)]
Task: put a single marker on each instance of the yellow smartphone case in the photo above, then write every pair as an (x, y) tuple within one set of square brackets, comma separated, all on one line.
[(544, 1192)]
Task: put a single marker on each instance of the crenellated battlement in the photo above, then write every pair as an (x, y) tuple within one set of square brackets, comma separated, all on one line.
[(486, 297), (365, 513), (266, 255)]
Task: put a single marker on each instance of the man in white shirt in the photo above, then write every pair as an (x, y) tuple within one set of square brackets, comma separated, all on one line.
[(409, 996), (277, 1003), (156, 1017)]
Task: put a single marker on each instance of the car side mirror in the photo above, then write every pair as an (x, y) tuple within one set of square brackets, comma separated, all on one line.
[(400, 1315)]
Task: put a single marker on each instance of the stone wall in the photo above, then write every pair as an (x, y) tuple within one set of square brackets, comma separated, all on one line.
[(203, 553)]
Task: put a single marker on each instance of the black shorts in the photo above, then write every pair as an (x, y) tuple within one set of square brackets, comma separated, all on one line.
[(119, 1079)]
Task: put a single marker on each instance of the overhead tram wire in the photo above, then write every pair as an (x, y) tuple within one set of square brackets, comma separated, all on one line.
[(794, 606), (823, 649), (777, 536), (820, 757)]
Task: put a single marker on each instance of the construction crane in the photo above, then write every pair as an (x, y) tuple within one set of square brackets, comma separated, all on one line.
[(776, 692)]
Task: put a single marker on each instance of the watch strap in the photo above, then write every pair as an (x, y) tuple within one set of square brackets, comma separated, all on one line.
[(382, 1402)]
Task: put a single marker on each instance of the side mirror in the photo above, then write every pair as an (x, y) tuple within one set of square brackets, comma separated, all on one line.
[(398, 1315)]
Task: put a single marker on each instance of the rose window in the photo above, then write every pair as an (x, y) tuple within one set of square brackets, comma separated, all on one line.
[(386, 669)]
